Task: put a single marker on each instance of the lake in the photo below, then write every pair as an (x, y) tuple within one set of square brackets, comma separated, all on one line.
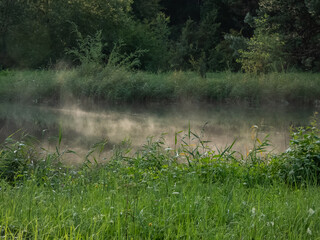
[(83, 126)]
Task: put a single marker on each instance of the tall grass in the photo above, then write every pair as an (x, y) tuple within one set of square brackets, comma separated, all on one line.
[(189, 192), (119, 85), (113, 206)]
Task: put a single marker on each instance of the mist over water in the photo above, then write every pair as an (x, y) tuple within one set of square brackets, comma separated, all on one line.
[(84, 126)]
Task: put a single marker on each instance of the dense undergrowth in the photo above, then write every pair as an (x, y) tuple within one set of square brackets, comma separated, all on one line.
[(116, 85), (188, 191)]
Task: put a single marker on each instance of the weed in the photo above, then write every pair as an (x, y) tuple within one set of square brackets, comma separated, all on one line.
[(302, 159), (17, 157)]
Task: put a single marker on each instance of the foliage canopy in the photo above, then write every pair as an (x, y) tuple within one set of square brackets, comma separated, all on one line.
[(201, 35)]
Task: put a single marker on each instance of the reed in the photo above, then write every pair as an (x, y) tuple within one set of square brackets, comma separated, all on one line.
[(117, 85)]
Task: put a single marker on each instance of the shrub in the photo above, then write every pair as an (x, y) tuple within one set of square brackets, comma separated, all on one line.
[(89, 49), (302, 159), (90, 53)]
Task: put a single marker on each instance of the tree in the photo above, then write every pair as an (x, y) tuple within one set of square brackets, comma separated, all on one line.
[(265, 49), (299, 24), (36, 32), (11, 13), (146, 9), (197, 40)]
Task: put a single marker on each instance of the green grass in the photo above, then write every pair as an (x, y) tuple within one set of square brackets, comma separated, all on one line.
[(189, 192), (120, 86), (110, 207)]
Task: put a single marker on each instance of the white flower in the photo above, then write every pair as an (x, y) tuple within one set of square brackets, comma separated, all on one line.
[(311, 211), (253, 211), (270, 224), (309, 231)]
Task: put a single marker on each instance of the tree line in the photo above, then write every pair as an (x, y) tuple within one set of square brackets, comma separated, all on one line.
[(198, 35)]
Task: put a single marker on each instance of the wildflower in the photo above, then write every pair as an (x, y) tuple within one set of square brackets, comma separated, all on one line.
[(309, 231), (150, 224), (270, 224), (261, 216), (311, 211), (253, 211)]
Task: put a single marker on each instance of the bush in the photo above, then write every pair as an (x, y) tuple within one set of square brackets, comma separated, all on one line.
[(302, 159), (89, 49)]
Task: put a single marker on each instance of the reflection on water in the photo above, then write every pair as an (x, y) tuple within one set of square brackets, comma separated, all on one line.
[(83, 126)]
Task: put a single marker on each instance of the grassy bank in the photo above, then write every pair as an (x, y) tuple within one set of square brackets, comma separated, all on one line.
[(119, 86), (188, 192), (184, 207)]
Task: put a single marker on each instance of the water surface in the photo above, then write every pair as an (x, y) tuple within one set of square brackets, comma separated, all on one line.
[(83, 126)]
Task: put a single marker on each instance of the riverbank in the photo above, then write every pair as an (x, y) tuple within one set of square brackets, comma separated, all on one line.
[(189, 191), (103, 206), (119, 86)]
